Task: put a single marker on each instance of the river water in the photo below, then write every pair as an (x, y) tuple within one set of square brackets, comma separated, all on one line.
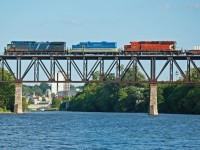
[(99, 131)]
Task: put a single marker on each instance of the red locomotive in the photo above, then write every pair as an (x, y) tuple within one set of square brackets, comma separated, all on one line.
[(164, 47)]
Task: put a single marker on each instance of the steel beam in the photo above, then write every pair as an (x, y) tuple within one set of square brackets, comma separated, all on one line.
[(180, 70), (126, 68), (52, 68), (163, 68), (171, 70), (188, 69), (42, 65), (77, 69), (141, 66), (153, 69), (101, 69), (85, 73), (36, 70), (85, 66), (68, 69)]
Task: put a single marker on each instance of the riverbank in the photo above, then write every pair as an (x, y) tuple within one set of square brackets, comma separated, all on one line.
[(5, 112)]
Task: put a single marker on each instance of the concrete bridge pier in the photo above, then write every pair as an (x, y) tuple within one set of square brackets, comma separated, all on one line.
[(18, 98), (153, 108)]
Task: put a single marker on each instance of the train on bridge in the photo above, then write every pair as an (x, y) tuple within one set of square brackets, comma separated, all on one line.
[(102, 48)]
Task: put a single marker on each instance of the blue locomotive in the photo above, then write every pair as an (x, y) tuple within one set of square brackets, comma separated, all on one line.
[(94, 47), (32, 47), (36, 48)]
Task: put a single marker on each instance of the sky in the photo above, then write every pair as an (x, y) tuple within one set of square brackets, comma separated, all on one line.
[(74, 21)]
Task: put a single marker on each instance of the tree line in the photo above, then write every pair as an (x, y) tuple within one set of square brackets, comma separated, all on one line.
[(113, 97), (175, 98)]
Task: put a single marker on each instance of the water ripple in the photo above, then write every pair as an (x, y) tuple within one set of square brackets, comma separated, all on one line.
[(99, 131)]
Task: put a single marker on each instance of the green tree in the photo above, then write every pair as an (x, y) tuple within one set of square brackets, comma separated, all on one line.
[(133, 74), (66, 98), (7, 91), (24, 104), (44, 86), (110, 97), (26, 90), (30, 101), (96, 75), (56, 103), (65, 102), (72, 87), (37, 90), (179, 99)]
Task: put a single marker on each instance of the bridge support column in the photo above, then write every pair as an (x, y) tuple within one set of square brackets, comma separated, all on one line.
[(18, 98), (153, 108)]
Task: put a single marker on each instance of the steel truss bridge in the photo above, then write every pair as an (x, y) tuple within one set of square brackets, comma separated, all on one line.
[(82, 68)]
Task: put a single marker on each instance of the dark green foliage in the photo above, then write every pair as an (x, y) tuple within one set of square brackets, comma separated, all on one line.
[(37, 89), (180, 99), (72, 87), (111, 97), (30, 101), (24, 104), (26, 90), (7, 92), (56, 103), (135, 98), (44, 86)]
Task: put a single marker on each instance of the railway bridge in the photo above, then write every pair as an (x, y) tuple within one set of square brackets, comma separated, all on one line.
[(158, 69)]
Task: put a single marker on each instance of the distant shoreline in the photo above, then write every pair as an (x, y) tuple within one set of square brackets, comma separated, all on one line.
[(6, 112)]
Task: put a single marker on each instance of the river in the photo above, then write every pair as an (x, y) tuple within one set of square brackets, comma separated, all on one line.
[(99, 131)]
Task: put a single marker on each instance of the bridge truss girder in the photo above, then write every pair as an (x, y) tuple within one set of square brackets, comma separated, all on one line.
[(69, 67)]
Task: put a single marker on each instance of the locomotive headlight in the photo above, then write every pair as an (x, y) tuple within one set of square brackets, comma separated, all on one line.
[(171, 47)]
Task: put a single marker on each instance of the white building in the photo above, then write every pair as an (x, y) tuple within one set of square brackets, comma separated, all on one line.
[(57, 87), (48, 93)]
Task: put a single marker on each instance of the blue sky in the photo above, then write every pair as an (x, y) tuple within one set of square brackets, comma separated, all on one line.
[(122, 21)]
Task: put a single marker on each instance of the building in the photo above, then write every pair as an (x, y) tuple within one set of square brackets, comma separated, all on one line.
[(48, 93), (40, 102), (58, 87)]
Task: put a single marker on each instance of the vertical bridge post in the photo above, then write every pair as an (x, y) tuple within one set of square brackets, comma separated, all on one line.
[(153, 108), (18, 98)]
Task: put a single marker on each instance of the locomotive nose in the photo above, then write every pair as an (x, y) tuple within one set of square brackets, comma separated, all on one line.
[(172, 47)]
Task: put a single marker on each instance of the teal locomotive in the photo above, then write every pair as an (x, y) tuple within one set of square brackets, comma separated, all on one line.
[(56, 48), (94, 48)]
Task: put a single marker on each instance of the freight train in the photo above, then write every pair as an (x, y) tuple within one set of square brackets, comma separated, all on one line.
[(103, 48)]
